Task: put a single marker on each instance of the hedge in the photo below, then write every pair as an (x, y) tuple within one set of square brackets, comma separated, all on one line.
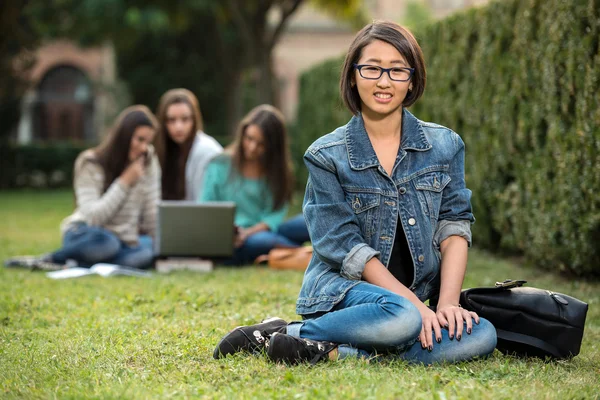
[(38, 165), (320, 110), (520, 82)]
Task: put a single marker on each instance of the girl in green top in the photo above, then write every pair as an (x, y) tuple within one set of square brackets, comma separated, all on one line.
[(255, 173)]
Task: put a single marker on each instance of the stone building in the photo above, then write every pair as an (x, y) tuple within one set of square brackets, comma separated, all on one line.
[(69, 93)]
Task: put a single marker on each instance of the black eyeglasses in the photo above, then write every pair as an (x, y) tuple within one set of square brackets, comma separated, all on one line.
[(400, 74)]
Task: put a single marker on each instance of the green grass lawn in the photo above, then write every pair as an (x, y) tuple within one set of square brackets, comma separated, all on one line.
[(140, 338)]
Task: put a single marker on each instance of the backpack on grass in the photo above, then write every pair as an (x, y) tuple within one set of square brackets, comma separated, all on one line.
[(530, 321)]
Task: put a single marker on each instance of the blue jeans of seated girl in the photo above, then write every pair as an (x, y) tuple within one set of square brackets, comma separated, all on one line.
[(292, 233), (372, 320), (89, 245)]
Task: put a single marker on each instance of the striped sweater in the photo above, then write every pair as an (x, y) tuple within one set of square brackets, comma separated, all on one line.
[(125, 211)]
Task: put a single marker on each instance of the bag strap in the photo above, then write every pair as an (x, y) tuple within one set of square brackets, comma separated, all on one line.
[(267, 257), (261, 259), (528, 340), (510, 283), (292, 252)]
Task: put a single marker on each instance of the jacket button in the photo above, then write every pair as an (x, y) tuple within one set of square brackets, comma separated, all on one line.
[(402, 190), (421, 258), (411, 221)]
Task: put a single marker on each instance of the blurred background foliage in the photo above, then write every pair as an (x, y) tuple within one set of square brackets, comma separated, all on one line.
[(520, 82), (221, 50)]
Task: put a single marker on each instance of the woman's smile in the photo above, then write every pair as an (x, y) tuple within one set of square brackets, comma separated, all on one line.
[(383, 98)]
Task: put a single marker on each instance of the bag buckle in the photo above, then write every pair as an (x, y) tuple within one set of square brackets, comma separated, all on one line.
[(510, 283)]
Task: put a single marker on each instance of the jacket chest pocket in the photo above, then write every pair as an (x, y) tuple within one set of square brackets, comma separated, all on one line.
[(430, 188), (366, 209)]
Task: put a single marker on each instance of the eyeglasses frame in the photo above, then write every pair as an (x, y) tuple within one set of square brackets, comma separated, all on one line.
[(359, 67)]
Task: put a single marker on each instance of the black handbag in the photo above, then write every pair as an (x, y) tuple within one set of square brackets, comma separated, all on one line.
[(530, 321)]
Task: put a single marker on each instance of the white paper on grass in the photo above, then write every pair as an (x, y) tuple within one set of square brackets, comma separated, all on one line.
[(102, 269)]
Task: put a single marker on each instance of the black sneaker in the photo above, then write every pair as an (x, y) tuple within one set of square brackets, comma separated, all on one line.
[(292, 350), (250, 338), (33, 263)]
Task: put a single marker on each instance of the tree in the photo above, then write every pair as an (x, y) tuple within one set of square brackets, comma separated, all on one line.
[(245, 39), (158, 62), (16, 35), (249, 20), (234, 38)]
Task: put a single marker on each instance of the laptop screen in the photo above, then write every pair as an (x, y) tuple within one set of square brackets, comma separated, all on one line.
[(188, 229)]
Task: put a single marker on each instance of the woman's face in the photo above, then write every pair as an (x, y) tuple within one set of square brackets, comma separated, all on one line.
[(383, 96), (253, 143), (141, 139), (179, 122)]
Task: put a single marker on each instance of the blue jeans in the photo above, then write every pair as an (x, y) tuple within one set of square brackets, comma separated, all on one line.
[(89, 245), (292, 233), (371, 320)]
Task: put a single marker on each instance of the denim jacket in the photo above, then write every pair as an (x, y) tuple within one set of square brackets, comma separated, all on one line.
[(352, 207)]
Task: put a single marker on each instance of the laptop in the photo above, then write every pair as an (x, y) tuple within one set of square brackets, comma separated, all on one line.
[(188, 229)]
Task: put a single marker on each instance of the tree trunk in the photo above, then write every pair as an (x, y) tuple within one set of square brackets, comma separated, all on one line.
[(233, 103), (266, 88)]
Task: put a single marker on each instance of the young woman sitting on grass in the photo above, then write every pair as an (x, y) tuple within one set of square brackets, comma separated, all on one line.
[(117, 188), (389, 217), (183, 149), (255, 173)]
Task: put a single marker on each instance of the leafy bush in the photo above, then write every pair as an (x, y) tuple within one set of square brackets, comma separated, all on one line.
[(519, 80), (320, 111), (38, 165)]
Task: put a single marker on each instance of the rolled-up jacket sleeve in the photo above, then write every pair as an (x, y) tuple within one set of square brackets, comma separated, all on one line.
[(446, 228), (455, 216), (333, 227)]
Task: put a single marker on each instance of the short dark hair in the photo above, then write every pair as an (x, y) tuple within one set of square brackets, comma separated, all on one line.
[(403, 41)]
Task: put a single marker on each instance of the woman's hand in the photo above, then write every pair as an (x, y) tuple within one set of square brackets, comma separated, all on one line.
[(240, 237), (377, 274), (133, 172), (453, 317), (431, 325), (243, 233)]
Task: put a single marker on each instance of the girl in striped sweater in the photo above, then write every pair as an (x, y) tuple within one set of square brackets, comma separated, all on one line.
[(117, 189)]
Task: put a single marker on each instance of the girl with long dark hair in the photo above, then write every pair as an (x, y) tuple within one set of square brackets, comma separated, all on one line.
[(117, 188), (255, 172), (183, 149)]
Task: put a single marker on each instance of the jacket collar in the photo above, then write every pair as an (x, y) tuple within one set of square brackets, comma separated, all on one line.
[(360, 151)]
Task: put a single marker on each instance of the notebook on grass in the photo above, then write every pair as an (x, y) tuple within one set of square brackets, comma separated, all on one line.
[(102, 269)]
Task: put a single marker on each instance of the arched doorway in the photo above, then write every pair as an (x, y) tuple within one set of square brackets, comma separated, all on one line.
[(64, 106)]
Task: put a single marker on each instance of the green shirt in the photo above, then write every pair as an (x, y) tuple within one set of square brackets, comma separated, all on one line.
[(253, 198)]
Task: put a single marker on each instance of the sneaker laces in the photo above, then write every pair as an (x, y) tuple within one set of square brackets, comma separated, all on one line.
[(260, 337), (318, 350)]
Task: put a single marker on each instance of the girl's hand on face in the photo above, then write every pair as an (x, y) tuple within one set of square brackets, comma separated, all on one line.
[(453, 317), (430, 325), (133, 172)]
